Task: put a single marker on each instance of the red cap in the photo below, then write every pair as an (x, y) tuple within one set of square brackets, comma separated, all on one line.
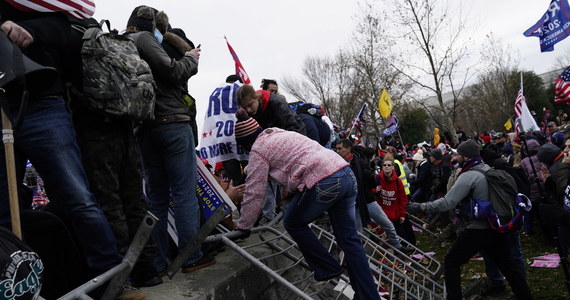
[(204, 161), (219, 166)]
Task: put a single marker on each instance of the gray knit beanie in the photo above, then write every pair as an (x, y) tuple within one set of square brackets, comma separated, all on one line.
[(468, 148)]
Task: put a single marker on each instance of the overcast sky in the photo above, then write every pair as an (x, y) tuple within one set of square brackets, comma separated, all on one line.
[(273, 38)]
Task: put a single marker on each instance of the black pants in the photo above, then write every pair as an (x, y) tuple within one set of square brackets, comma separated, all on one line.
[(405, 231), (495, 245)]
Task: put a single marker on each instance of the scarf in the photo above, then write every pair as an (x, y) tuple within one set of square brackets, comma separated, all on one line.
[(470, 163), (265, 95)]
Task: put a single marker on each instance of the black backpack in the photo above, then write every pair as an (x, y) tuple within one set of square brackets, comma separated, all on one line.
[(301, 107), (505, 206), (116, 81)]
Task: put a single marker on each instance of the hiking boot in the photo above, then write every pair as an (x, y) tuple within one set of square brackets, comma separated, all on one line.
[(204, 261), (149, 281), (131, 293)]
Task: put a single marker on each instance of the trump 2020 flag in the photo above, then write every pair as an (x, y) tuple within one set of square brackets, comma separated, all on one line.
[(217, 139), (553, 27), (562, 88), (240, 71), (392, 125)]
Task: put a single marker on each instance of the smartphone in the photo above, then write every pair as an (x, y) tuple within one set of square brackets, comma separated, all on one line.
[(199, 45)]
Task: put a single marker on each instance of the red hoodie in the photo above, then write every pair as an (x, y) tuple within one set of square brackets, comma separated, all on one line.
[(391, 196)]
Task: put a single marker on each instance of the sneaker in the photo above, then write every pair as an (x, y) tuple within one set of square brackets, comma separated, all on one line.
[(204, 261), (131, 293)]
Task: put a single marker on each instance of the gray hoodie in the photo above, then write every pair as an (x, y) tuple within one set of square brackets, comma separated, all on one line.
[(460, 192)]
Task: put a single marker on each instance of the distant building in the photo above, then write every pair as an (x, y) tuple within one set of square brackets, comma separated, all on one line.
[(548, 78)]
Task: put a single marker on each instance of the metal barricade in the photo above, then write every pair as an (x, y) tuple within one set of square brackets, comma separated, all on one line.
[(117, 275), (398, 276)]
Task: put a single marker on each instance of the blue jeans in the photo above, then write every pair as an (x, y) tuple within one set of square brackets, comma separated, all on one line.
[(335, 194), (47, 139), (492, 269), (381, 219), (272, 194), (169, 164)]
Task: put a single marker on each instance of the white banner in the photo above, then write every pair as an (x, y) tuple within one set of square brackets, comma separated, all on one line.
[(217, 140)]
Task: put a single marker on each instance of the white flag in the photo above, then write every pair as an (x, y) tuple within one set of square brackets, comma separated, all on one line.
[(527, 122)]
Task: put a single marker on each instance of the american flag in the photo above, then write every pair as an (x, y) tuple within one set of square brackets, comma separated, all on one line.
[(524, 117), (562, 88), (518, 103), (240, 71), (358, 121), (80, 9)]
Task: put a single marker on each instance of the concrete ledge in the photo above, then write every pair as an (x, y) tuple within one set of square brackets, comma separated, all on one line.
[(232, 277)]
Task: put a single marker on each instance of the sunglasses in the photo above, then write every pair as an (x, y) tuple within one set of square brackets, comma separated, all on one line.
[(387, 165)]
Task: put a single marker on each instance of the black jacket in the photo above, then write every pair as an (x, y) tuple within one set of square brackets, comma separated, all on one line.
[(365, 183), (170, 76), (51, 32), (279, 114)]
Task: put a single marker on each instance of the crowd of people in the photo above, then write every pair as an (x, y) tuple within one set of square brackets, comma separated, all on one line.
[(299, 162)]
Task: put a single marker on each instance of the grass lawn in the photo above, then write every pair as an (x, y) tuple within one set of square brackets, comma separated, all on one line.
[(545, 283)]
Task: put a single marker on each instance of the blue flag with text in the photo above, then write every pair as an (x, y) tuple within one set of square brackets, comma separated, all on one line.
[(553, 27)]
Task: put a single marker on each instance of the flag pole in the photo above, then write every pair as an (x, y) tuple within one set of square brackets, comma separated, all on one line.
[(8, 139), (522, 88)]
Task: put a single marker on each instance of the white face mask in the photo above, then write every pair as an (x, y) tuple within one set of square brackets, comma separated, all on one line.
[(158, 35)]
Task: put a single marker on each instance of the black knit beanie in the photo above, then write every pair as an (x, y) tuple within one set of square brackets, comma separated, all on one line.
[(142, 18)]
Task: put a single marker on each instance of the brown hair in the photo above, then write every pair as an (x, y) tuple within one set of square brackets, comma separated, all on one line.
[(245, 92)]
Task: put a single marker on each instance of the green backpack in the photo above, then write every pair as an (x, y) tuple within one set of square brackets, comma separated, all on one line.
[(116, 81)]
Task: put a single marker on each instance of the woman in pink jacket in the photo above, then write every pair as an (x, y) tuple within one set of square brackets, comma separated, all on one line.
[(321, 181)]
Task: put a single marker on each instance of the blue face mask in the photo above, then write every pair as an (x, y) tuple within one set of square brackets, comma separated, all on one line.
[(158, 36)]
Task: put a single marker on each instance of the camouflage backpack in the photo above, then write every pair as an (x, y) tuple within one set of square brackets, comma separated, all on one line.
[(116, 81)]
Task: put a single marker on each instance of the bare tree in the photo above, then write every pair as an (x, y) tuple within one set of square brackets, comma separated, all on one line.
[(328, 82), (439, 37), (373, 52), (494, 94), (356, 75)]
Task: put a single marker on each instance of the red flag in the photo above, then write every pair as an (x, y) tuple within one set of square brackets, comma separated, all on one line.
[(79, 9), (562, 88), (240, 71)]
